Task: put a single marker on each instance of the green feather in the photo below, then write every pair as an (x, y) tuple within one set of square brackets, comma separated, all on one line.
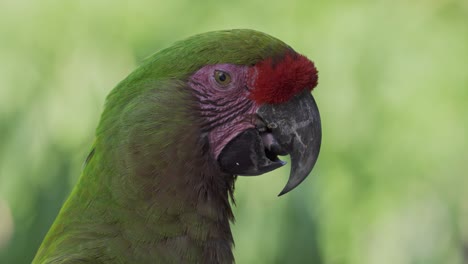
[(147, 193)]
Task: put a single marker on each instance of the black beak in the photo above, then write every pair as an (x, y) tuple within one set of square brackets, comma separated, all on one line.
[(292, 128), (296, 127)]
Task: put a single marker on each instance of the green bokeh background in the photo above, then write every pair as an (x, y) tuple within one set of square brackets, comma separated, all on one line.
[(390, 186)]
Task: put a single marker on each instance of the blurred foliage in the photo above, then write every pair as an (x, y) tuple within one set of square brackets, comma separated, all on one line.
[(390, 185)]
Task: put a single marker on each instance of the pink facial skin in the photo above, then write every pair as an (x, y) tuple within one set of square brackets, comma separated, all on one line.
[(226, 110)]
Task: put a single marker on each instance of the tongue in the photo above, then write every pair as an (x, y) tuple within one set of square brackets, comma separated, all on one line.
[(272, 145)]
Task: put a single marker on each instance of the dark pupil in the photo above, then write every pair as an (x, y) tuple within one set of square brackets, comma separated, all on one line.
[(222, 77)]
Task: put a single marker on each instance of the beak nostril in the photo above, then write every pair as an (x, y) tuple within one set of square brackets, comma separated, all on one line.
[(272, 125)]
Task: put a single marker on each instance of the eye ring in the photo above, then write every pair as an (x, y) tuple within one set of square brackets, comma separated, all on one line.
[(222, 78)]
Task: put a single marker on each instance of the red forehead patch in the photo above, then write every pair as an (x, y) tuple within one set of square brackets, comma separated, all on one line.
[(276, 81)]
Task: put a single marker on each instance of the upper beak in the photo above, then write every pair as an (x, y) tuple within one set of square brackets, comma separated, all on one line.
[(296, 130)]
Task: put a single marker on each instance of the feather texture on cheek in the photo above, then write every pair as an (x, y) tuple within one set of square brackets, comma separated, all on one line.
[(225, 110), (277, 80)]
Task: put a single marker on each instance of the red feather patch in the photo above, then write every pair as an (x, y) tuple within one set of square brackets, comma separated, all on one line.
[(276, 81)]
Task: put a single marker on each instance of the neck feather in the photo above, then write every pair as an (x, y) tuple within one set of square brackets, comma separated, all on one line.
[(172, 183)]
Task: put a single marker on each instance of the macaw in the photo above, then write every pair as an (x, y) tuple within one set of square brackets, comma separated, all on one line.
[(158, 183)]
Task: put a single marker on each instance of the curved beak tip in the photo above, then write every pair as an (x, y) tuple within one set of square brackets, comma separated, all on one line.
[(299, 172), (284, 191)]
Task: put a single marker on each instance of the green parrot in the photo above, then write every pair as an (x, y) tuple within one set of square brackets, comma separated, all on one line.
[(158, 183)]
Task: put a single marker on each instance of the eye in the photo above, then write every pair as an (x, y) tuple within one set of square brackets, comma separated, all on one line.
[(223, 78)]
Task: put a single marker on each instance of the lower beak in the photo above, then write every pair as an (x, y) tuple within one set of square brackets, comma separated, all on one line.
[(296, 129)]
